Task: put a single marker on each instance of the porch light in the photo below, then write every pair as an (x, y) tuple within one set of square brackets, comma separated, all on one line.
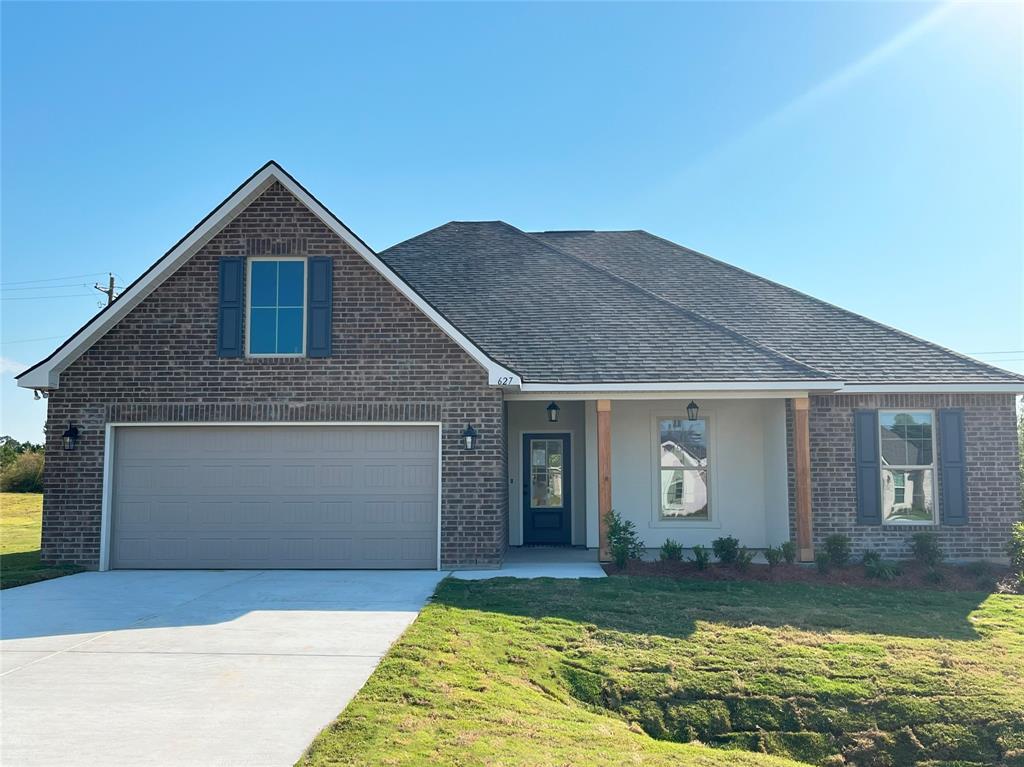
[(469, 436), (553, 409), (691, 410), (69, 439)]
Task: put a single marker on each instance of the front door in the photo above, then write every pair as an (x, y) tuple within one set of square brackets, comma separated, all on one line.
[(547, 500)]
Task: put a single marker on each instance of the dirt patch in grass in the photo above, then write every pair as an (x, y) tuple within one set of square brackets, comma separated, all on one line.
[(985, 578), (634, 670)]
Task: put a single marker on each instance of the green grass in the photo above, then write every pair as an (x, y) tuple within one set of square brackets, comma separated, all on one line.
[(21, 516), (636, 670)]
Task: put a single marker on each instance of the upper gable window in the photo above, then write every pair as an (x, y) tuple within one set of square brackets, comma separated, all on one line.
[(277, 307)]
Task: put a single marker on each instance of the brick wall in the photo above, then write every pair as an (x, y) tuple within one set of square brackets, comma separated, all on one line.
[(993, 492), (389, 363)]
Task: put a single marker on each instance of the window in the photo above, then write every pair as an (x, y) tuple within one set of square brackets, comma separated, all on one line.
[(277, 306), (908, 466), (683, 469)]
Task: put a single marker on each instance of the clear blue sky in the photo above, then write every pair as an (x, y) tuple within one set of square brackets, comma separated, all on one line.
[(869, 154)]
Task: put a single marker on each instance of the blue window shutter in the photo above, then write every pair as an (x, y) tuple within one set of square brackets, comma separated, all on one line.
[(231, 307), (321, 301), (952, 467), (868, 467)]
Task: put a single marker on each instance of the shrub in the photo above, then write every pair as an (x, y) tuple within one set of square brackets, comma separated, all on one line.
[(623, 542), (934, 575), (823, 561), (726, 549), (671, 551), (24, 474), (701, 557), (773, 554), (869, 556), (789, 551), (877, 567), (1015, 548), (926, 549), (743, 559), (838, 548)]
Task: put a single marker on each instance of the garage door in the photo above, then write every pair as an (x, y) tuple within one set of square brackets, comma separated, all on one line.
[(259, 497)]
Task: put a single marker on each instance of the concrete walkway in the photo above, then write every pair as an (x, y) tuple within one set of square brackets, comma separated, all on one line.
[(168, 668), (541, 562)]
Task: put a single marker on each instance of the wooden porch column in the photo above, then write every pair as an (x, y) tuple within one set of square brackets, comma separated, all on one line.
[(802, 450), (604, 473)]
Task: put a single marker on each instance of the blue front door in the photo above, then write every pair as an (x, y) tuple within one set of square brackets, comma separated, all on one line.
[(547, 499)]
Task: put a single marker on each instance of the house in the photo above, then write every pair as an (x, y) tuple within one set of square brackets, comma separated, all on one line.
[(273, 393)]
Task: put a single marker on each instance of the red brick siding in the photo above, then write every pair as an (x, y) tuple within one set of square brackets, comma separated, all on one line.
[(389, 363), (993, 492)]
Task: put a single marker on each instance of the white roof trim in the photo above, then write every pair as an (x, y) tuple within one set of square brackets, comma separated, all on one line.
[(979, 388), (46, 374), (663, 386)]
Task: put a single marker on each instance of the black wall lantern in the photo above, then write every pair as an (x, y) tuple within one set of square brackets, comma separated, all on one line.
[(691, 410), (69, 439), (469, 436), (553, 409)]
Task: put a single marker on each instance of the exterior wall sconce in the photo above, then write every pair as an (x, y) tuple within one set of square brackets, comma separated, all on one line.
[(553, 409), (469, 437), (69, 439), (691, 410)]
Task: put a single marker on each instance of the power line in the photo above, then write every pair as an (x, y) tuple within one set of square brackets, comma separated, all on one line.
[(49, 287), (43, 298), (29, 340), (52, 279)]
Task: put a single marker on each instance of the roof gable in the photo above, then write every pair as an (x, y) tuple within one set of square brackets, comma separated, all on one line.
[(46, 373)]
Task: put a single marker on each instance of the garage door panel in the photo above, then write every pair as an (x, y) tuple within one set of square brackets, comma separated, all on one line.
[(267, 497)]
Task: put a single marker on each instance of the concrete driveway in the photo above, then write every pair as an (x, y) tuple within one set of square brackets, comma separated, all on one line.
[(191, 668)]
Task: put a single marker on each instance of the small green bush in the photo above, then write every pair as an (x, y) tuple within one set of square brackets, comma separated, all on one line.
[(743, 559), (926, 549), (701, 557), (838, 548), (24, 474), (623, 542), (671, 551), (880, 569), (824, 562), (773, 555), (1015, 548), (726, 549), (869, 556), (789, 551), (934, 575)]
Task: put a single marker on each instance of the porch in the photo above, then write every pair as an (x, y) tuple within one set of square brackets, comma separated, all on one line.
[(733, 464)]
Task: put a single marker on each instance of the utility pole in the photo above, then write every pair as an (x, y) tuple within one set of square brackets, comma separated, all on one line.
[(109, 290)]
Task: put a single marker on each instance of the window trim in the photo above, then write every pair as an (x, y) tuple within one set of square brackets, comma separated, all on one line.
[(248, 305), (661, 521), (933, 467)]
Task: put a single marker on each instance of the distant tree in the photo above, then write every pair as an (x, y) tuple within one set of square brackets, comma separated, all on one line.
[(10, 449), (24, 474)]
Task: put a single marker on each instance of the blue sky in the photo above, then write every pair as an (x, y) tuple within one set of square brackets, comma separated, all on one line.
[(869, 154)]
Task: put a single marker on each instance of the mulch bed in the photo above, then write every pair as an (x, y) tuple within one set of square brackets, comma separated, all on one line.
[(913, 576)]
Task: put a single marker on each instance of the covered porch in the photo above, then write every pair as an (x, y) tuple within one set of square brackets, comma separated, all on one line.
[(688, 466)]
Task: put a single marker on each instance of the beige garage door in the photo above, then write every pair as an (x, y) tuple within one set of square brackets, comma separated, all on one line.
[(258, 497)]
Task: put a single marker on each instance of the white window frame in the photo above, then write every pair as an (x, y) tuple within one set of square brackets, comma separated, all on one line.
[(933, 466), (248, 303), (662, 521)]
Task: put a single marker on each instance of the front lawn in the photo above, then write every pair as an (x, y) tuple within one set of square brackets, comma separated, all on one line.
[(633, 670), (21, 518)]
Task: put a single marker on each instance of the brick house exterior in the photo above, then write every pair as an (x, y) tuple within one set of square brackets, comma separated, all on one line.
[(439, 331), (390, 364), (993, 482)]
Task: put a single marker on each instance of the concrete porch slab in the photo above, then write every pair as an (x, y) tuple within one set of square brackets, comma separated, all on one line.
[(541, 562)]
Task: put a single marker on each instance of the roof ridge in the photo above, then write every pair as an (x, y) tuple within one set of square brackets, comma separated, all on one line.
[(829, 305), (676, 307)]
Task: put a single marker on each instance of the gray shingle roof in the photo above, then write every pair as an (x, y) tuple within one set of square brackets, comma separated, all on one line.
[(602, 307)]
